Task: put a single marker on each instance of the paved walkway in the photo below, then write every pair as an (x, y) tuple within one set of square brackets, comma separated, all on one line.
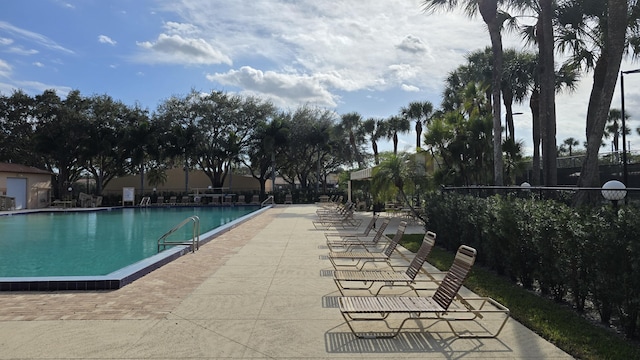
[(262, 290)]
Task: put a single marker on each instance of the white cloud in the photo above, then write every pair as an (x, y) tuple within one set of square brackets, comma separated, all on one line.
[(409, 88), (5, 68), (104, 39), (21, 51), (180, 50), (37, 87), (173, 27), (288, 90), (34, 37), (412, 44), (38, 64), (5, 41)]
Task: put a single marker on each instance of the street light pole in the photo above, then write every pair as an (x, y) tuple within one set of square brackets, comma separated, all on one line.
[(625, 173)]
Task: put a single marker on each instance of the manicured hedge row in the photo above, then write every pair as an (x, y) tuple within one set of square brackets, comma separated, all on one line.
[(587, 257)]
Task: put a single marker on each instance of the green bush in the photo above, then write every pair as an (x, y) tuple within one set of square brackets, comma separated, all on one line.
[(590, 256)]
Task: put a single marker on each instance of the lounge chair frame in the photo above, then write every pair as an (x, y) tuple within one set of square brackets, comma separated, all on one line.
[(438, 307), (349, 243), (358, 259), (348, 279)]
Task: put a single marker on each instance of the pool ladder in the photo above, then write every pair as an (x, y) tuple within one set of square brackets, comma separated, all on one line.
[(195, 239)]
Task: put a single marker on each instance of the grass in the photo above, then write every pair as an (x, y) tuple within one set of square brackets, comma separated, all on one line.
[(555, 322)]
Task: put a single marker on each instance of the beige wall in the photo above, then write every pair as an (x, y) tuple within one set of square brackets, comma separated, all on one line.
[(176, 183), (38, 188)]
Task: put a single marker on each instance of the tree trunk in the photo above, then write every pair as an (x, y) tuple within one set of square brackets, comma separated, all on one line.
[(489, 10), (535, 115), (547, 93), (605, 77), (509, 132)]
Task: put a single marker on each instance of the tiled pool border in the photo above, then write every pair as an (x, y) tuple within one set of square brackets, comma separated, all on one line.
[(118, 278)]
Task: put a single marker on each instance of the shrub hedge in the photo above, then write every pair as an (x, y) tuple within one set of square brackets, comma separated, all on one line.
[(589, 258)]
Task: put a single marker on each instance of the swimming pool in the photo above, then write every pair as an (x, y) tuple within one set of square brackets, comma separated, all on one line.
[(103, 249)]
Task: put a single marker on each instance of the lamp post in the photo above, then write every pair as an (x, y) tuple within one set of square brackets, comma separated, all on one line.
[(614, 190), (625, 174)]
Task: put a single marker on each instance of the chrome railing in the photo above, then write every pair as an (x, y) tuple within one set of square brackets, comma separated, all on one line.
[(195, 239)]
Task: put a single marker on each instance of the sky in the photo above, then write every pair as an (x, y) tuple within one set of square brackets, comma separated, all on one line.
[(370, 57)]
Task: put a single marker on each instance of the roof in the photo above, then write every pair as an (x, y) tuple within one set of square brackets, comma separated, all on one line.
[(18, 168), (364, 174)]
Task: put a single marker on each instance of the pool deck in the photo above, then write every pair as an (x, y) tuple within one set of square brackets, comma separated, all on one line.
[(261, 290)]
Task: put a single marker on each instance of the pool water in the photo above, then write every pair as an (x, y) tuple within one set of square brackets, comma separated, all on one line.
[(96, 242)]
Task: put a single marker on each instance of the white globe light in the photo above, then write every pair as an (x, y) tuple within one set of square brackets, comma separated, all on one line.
[(614, 190), (525, 184)]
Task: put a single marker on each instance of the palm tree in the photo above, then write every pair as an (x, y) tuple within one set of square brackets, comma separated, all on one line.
[(351, 123), (605, 24), (421, 112), (518, 77), (614, 124), (493, 19), (377, 129), (570, 143), (393, 175), (397, 124), (156, 175)]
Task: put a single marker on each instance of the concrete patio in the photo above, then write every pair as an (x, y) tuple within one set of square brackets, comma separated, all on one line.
[(261, 290)]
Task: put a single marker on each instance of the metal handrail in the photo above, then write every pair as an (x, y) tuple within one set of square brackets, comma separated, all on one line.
[(267, 199), (195, 240)]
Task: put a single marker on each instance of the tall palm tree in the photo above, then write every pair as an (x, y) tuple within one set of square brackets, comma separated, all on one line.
[(571, 142), (494, 20), (351, 123), (421, 113), (614, 126), (377, 129), (598, 35), (397, 124), (518, 77)]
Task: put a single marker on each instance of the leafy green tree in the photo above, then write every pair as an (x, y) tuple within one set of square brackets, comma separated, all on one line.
[(462, 140), (265, 145), (61, 131), (310, 131), (16, 129), (210, 130), (394, 177), (104, 152), (156, 175)]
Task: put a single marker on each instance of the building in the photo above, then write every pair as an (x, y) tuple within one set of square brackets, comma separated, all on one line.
[(24, 187), (184, 183)]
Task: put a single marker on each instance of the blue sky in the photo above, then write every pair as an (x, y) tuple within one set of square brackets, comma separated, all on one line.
[(372, 57)]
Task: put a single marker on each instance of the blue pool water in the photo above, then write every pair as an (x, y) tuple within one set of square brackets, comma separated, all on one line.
[(92, 243)]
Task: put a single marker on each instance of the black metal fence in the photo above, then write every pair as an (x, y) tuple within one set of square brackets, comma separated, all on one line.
[(560, 193)]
